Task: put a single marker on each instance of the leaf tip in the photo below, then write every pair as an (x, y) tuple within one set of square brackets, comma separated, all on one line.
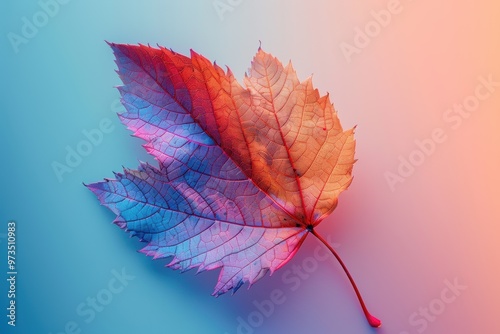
[(193, 53), (238, 286)]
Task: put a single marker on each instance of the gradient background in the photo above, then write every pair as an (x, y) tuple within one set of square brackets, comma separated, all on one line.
[(441, 224)]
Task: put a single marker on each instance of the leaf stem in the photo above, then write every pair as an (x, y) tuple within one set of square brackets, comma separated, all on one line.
[(374, 322)]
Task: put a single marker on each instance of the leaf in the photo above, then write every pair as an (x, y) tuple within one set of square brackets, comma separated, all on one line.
[(244, 173)]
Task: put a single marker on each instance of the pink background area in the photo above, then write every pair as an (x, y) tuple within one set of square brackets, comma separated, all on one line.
[(442, 222)]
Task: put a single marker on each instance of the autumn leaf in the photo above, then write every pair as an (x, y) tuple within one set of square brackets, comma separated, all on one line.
[(244, 173)]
